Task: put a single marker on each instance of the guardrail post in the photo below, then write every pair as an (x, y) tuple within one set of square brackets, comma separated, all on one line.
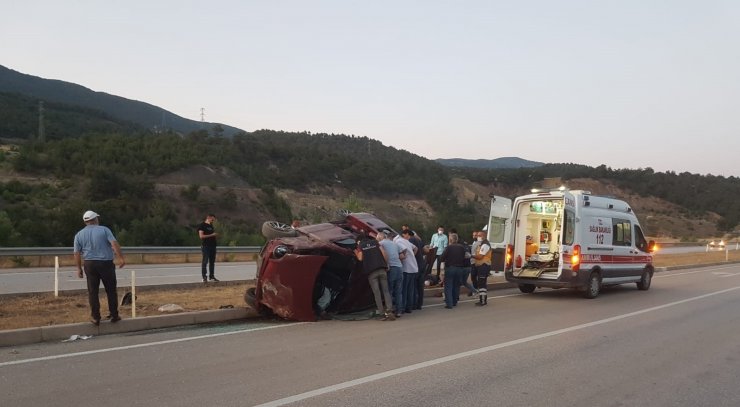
[(133, 293), (56, 276)]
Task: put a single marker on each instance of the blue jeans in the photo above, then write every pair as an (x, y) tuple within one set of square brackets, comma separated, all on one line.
[(409, 291), (453, 278), (395, 283)]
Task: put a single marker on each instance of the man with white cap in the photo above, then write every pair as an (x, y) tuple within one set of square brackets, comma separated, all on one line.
[(95, 245)]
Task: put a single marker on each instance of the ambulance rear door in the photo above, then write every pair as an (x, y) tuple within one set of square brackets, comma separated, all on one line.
[(499, 229)]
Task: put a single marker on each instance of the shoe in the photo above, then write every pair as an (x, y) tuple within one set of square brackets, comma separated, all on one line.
[(407, 311), (389, 317), (115, 319), (448, 307), (214, 279), (205, 280), (479, 304), (95, 322), (398, 315)]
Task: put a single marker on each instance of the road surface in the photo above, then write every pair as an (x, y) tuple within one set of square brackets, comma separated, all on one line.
[(42, 279), (677, 344)]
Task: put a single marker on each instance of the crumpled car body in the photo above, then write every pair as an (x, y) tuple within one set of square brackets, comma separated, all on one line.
[(318, 260)]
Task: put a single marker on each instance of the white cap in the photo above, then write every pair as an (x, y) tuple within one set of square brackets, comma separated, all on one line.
[(89, 215)]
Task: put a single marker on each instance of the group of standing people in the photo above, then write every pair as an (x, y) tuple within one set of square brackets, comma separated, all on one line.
[(396, 268), (393, 264)]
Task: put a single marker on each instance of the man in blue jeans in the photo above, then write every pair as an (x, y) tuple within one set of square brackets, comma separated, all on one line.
[(395, 271), (208, 235)]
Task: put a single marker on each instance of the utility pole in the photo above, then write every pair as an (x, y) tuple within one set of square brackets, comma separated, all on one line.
[(203, 114), (41, 137)]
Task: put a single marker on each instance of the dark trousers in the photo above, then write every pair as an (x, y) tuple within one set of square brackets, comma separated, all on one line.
[(453, 278), (439, 264), (409, 291), (105, 271), (474, 275), (209, 259), (419, 297)]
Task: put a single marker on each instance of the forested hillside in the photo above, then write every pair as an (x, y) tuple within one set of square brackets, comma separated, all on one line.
[(152, 186), (114, 173)]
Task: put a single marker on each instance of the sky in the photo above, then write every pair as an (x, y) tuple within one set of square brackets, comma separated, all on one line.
[(628, 84)]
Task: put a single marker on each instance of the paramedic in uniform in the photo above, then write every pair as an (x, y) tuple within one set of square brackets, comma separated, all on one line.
[(482, 260)]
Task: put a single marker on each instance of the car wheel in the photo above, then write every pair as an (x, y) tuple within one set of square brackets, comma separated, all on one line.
[(644, 283), (527, 288), (250, 297), (272, 230), (342, 215), (594, 286)]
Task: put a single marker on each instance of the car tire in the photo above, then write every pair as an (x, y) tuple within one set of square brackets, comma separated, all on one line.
[(342, 214), (593, 288), (527, 288), (645, 280), (273, 230)]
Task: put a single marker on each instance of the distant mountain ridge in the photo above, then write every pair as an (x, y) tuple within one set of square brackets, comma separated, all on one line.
[(497, 163), (127, 110)]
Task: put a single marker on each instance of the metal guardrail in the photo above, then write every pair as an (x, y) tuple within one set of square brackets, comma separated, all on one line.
[(57, 251)]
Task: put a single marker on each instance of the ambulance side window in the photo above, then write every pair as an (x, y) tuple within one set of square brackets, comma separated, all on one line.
[(569, 227), (640, 241), (622, 232)]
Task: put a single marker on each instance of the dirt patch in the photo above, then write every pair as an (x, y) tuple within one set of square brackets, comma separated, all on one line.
[(44, 309)]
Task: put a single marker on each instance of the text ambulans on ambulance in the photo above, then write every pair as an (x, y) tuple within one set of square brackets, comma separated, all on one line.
[(570, 239)]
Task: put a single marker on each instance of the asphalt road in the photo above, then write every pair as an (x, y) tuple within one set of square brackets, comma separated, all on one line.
[(42, 279), (677, 344)]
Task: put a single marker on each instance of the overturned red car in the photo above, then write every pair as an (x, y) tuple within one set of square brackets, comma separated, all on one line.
[(312, 270)]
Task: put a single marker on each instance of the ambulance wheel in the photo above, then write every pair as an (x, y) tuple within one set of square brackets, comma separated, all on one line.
[(594, 286), (527, 288), (644, 283)]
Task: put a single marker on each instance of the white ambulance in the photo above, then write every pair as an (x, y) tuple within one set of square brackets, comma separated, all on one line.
[(569, 239)]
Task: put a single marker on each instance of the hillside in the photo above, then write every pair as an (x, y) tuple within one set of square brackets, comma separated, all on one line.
[(118, 108), (496, 163), (153, 187)]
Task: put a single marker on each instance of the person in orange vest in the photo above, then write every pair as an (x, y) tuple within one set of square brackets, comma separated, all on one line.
[(482, 261)]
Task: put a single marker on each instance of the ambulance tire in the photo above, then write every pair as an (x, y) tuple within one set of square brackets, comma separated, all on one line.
[(593, 288), (527, 288), (647, 278)]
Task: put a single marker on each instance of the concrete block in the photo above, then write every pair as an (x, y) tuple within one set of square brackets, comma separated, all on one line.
[(166, 321), (202, 317), (22, 336)]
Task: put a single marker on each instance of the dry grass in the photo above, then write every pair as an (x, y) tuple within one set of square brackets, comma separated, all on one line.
[(43, 309)]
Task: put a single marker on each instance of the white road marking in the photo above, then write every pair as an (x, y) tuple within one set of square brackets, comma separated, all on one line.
[(472, 300), (450, 358), (144, 345)]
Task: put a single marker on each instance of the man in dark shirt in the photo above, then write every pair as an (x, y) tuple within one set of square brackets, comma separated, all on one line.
[(208, 236), (375, 265), (455, 264)]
